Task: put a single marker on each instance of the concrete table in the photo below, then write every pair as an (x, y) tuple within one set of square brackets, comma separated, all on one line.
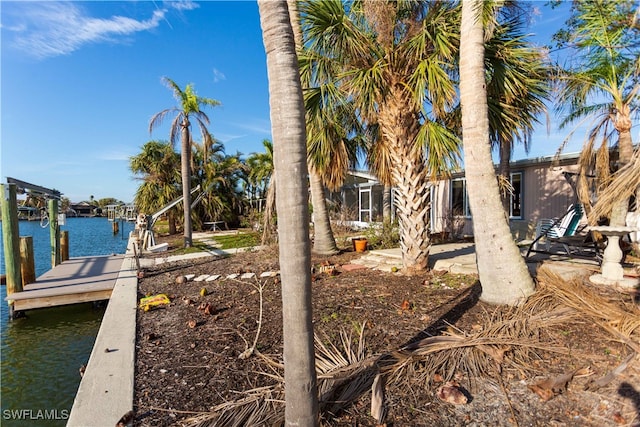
[(612, 272)]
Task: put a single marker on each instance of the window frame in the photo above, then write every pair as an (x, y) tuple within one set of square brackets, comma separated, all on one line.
[(517, 196), (466, 210)]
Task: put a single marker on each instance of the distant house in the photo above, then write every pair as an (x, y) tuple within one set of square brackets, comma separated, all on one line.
[(542, 189), (82, 209)]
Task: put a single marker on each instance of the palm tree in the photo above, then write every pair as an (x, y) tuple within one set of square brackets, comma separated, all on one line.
[(324, 242), (517, 87), (157, 167), (218, 175), (503, 273), (261, 172), (395, 61), (602, 82), (260, 169), (288, 129), (189, 107)]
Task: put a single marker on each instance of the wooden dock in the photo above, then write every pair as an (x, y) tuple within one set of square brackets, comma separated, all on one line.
[(74, 281)]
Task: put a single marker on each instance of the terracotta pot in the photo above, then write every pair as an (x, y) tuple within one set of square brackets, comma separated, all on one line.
[(360, 245)]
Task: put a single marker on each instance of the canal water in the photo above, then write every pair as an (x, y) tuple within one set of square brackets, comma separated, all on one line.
[(42, 354)]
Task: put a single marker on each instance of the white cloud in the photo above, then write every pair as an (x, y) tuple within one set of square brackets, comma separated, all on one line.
[(47, 29), (182, 5), (117, 155), (218, 75), (257, 126)]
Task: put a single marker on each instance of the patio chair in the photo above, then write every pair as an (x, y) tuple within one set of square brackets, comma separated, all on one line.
[(562, 231)]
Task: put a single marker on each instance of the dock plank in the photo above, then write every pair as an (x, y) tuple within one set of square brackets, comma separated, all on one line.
[(74, 281)]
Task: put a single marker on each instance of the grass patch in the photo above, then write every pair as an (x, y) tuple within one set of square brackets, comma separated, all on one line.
[(240, 240), (231, 241)]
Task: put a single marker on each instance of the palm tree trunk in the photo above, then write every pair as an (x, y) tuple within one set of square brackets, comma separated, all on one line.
[(171, 219), (505, 171), (290, 162), (503, 273), (409, 176), (324, 243), (386, 204), (267, 215), (625, 153), (185, 172)]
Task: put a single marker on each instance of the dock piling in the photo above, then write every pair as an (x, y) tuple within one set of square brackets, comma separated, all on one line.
[(27, 260), (54, 229), (10, 238), (64, 245)]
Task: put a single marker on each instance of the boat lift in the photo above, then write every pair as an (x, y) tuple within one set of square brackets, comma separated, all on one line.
[(145, 223), (11, 233), (24, 187)]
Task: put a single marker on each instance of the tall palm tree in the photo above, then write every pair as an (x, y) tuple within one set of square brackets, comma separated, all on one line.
[(394, 60), (261, 170), (518, 85), (218, 175), (324, 242), (189, 108), (602, 82), (503, 273), (290, 155), (157, 168)]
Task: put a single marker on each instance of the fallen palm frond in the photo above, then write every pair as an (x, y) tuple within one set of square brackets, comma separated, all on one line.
[(261, 406), (619, 318), (622, 185), (343, 376), (509, 337)]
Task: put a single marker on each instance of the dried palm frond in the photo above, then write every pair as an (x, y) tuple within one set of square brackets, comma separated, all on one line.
[(622, 185), (616, 317), (261, 406), (505, 186), (343, 376), (509, 337)]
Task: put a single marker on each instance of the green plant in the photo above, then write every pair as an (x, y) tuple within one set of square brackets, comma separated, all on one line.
[(253, 220), (384, 236)]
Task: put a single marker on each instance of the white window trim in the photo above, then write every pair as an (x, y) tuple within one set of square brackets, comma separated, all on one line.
[(465, 198), (511, 216)]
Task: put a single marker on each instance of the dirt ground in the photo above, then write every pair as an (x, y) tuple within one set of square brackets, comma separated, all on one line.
[(188, 352)]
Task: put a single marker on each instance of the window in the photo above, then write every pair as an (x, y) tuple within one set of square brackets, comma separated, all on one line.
[(459, 198), (515, 207)]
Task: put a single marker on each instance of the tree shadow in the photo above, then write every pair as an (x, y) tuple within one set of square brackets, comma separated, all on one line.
[(627, 391), (463, 302), (358, 382)]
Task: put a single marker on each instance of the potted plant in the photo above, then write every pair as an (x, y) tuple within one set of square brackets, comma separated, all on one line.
[(359, 244)]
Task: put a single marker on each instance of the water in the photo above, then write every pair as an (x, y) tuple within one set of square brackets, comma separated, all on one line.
[(41, 355)]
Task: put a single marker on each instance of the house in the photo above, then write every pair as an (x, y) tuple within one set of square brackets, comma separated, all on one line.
[(543, 187), (82, 209), (361, 200)]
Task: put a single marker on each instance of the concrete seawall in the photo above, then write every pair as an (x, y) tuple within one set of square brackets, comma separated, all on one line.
[(106, 390)]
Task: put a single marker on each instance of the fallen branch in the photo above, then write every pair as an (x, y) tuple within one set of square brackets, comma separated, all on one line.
[(603, 381), (250, 350)]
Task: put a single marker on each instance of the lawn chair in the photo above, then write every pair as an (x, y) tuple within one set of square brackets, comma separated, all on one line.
[(562, 231)]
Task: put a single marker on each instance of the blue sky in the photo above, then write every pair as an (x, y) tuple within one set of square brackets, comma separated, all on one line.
[(80, 81)]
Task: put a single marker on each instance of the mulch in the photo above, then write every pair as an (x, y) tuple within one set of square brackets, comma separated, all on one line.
[(188, 352)]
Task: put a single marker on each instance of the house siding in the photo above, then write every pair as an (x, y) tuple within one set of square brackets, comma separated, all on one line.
[(545, 193)]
